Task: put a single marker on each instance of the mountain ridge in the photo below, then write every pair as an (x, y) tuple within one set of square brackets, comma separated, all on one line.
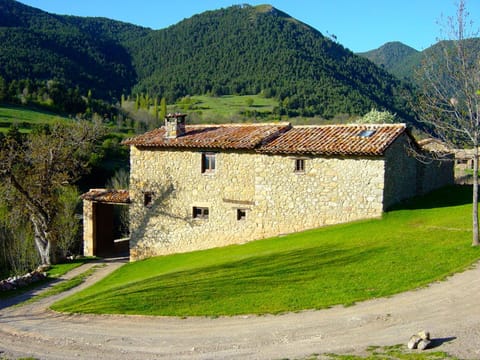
[(402, 60), (392, 56), (241, 49)]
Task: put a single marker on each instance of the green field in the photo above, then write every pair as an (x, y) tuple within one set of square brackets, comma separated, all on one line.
[(25, 118), (243, 108), (424, 241), (227, 108)]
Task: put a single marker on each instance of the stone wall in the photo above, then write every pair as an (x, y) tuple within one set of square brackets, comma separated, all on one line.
[(400, 172), (406, 176), (436, 174), (274, 198)]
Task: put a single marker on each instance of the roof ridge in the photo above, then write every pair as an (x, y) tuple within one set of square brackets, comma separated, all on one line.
[(281, 123), (404, 125)]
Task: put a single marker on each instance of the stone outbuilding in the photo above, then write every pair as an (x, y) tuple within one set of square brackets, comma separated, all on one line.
[(201, 186), (463, 158), (99, 222)]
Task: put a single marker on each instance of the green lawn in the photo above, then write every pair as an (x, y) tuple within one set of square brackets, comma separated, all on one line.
[(424, 241), (25, 118)]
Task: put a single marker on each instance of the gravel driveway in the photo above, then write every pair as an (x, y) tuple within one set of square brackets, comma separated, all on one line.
[(450, 310)]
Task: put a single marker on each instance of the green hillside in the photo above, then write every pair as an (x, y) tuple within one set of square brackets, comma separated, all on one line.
[(427, 240), (226, 108), (394, 57), (37, 45), (240, 50), (26, 119), (402, 60), (249, 50)]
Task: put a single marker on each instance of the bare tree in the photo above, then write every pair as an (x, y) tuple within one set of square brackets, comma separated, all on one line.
[(38, 167), (450, 85)]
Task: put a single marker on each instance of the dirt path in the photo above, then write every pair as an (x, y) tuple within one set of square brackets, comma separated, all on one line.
[(450, 310)]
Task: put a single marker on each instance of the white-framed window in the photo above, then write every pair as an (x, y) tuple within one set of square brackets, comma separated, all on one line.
[(208, 162)]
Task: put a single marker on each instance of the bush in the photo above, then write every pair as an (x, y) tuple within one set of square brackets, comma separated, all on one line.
[(18, 254), (378, 117), (69, 240)]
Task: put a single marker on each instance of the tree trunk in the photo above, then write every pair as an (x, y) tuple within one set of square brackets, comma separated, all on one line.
[(475, 241), (43, 250), (42, 240)]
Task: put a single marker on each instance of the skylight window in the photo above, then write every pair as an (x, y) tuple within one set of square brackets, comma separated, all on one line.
[(366, 133)]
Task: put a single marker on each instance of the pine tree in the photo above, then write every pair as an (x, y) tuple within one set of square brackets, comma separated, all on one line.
[(155, 108), (163, 108), (137, 102)]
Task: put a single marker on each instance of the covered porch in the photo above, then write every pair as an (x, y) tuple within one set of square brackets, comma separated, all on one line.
[(101, 223)]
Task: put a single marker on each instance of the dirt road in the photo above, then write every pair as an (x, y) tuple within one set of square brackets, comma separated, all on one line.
[(450, 310)]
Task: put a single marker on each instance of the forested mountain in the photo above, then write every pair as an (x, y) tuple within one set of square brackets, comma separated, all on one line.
[(79, 52), (395, 57), (237, 50), (244, 50), (402, 60)]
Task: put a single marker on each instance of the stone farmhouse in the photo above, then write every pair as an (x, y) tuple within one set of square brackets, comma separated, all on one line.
[(202, 186)]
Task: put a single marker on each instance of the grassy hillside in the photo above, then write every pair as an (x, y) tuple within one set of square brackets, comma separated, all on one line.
[(227, 108), (25, 118), (203, 109), (424, 241)]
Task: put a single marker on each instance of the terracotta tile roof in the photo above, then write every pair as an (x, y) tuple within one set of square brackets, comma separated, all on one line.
[(336, 140), (229, 136), (107, 196), (280, 138)]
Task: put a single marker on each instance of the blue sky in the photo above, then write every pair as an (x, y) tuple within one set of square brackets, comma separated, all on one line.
[(359, 25)]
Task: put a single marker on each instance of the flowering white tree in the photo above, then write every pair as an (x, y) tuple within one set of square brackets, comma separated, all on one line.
[(378, 117)]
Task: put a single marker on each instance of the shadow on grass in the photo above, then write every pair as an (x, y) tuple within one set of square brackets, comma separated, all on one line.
[(454, 195), (15, 297), (246, 277), (25, 293)]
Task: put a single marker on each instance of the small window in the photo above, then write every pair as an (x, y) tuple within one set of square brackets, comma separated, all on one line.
[(241, 214), (367, 133), (299, 165), (200, 212), (148, 199), (208, 162)]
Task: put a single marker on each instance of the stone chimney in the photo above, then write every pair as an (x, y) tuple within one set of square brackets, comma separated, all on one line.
[(174, 125)]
